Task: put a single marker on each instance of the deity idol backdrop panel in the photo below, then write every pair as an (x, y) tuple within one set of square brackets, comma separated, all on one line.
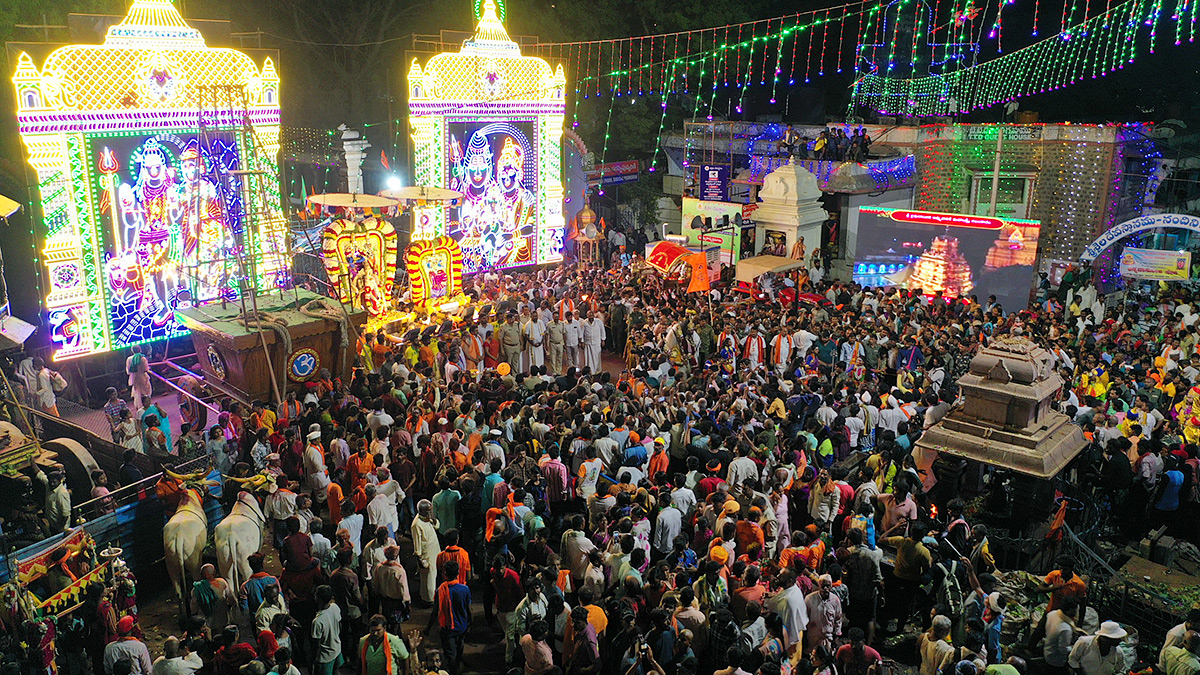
[(164, 229), (139, 211), (493, 164), (946, 253)]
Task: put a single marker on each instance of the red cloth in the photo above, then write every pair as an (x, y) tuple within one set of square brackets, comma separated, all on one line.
[(267, 644)]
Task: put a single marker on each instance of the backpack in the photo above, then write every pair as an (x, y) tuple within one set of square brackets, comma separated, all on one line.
[(950, 593)]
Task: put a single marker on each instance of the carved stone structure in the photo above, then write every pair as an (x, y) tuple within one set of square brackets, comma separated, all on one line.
[(1006, 418), (790, 205)]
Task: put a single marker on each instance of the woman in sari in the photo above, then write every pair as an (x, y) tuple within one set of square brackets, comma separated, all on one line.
[(153, 439), (164, 422)]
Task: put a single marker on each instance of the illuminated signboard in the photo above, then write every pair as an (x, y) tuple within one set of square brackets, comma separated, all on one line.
[(141, 212), (488, 122)]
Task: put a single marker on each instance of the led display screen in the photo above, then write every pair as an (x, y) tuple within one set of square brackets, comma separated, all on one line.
[(162, 223), (946, 253)]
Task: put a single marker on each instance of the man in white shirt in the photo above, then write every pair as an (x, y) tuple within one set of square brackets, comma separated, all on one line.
[(1175, 635), (381, 510), (1098, 654), (1060, 633), (803, 340), (572, 335), (607, 449), (326, 633), (789, 604), (666, 527), (593, 339), (742, 468), (535, 332), (314, 467), (684, 499), (378, 418), (826, 414), (177, 659), (127, 647)]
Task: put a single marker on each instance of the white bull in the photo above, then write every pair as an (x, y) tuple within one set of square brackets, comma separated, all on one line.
[(237, 537), (184, 537)]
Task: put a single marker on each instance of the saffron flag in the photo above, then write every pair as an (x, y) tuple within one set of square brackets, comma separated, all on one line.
[(384, 160), (699, 263)]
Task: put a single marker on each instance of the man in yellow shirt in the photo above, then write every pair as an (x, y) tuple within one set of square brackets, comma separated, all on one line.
[(263, 417)]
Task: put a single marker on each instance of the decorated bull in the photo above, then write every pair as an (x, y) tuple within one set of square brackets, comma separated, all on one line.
[(238, 536), (184, 537), (186, 531)]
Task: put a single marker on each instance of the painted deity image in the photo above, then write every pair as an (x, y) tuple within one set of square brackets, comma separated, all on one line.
[(169, 238), (496, 223)]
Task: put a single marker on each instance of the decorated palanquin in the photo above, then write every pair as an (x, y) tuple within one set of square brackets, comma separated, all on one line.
[(1188, 411), (144, 209), (435, 270), (487, 122), (360, 259), (83, 569)]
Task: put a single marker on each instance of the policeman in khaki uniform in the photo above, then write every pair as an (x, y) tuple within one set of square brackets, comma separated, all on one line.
[(510, 342), (555, 339)]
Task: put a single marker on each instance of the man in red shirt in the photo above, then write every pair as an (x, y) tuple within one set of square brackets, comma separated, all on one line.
[(750, 591), (509, 593), (710, 483), (856, 658)]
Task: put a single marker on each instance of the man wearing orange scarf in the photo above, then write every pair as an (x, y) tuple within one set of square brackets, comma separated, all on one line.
[(380, 652), (453, 609), (457, 554)]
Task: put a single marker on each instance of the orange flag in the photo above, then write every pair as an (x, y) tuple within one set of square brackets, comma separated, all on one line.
[(1057, 523), (699, 263)]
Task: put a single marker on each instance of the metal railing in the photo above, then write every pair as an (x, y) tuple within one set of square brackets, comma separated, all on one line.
[(181, 370), (128, 494), (1118, 598)]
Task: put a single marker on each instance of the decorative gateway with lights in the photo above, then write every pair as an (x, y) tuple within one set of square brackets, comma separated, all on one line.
[(142, 212), (488, 122)]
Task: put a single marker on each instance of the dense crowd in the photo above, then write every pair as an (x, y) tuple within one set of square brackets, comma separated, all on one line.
[(741, 493)]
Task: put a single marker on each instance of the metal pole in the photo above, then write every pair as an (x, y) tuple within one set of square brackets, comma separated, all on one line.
[(996, 170)]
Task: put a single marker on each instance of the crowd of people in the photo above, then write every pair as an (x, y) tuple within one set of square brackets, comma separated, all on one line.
[(732, 492)]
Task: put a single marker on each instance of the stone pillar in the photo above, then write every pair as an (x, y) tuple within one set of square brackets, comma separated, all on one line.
[(789, 206), (355, 148)]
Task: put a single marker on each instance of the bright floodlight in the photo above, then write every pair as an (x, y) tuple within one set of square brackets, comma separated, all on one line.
[(393, 183)]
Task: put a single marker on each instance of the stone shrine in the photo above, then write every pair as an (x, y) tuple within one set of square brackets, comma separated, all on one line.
[(790, 205), (1006, 419)]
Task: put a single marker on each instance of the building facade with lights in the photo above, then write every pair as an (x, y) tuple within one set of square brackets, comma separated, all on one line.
[(1078, 180), (488, 122), (143, 203)]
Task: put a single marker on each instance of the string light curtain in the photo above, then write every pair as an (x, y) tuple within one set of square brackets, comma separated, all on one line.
[(910, 57)]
